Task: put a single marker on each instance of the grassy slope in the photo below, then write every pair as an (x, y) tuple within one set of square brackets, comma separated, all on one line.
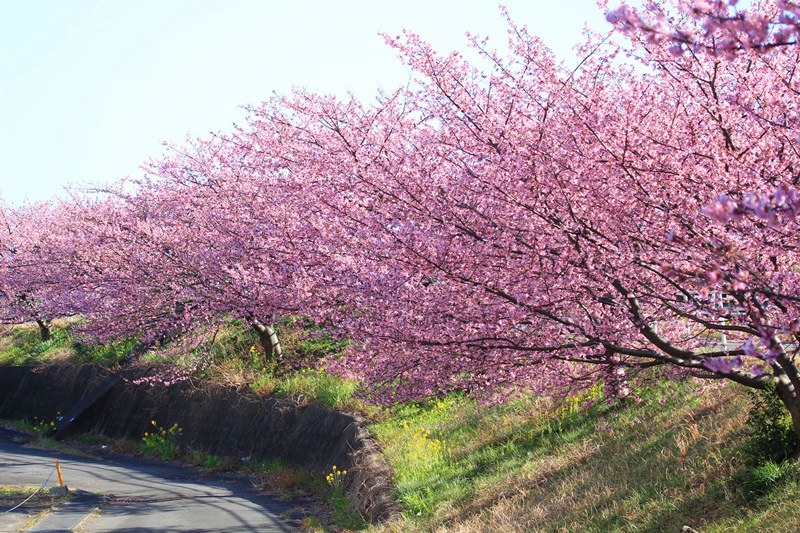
[(674, 458), (22, 345), (231, 355)]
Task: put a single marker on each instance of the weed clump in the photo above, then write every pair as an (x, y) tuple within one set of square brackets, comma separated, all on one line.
[(162, 442)]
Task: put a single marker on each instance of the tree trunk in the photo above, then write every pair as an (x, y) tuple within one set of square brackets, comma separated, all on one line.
[(788, 396), (269, 340), (44, 330), (795, 453)]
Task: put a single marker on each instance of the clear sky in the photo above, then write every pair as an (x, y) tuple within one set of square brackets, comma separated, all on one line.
[(89, 89)]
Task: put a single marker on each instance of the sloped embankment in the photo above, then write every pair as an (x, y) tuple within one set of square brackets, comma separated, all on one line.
[(219, 420)]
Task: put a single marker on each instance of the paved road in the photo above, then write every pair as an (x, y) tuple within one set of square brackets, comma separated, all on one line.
[(138, 495)]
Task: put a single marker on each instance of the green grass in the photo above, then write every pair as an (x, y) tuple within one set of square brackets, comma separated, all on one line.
[(674, 458), (209, 461), (161, 442), (304, 342), (291, 483), (40, 430), (22, 345), (108, 354), (319, 387), (233, 356)]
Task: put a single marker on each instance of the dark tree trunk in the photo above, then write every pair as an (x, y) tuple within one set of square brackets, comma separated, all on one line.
[(44, 330), (788, 395), (794, 411)]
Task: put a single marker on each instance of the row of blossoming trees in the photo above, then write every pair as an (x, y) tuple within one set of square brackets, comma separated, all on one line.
[(513, 224)]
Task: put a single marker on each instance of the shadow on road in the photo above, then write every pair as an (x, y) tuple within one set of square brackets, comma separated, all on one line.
[(144, 495)]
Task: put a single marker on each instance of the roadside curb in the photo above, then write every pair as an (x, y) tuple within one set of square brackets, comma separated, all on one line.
[(68, 516)]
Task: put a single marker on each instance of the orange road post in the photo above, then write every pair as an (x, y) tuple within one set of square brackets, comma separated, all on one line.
[(60, 477)]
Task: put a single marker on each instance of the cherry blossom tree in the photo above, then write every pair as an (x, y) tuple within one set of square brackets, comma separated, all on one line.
[(749, 258), (718, 27), (30, 287), (535, 226), (234, 234), (511, 223)]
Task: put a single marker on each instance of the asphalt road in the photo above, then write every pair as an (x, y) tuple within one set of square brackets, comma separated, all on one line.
[(126, 494)]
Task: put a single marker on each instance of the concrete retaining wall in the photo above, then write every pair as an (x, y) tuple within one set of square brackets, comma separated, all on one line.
[(219, 420)]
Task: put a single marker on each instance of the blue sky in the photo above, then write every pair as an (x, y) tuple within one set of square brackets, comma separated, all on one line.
[(90, 89)]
